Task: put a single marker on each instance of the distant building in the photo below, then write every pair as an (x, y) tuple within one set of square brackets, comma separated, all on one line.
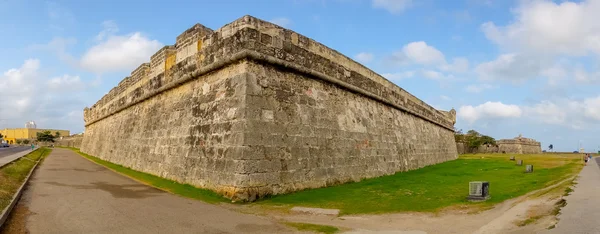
[(519, 145), (12, 134), (30, 124)]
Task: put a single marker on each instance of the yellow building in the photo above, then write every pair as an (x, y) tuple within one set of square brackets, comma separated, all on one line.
[(12, 134)]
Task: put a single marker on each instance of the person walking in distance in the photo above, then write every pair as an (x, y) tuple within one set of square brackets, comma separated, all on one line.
[(32, 146)]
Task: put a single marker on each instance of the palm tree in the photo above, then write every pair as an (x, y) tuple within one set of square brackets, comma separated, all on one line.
[(550, 147)]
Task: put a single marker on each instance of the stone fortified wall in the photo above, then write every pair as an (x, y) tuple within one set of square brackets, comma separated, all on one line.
[(253, 109), (463, 148), (519, 145), (70, 141)]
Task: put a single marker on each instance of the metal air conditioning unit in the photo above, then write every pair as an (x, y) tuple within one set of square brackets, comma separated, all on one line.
[(479, 191)]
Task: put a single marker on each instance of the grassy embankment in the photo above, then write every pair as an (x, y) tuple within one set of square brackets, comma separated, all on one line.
[(13, 174), (174, 187), (428, 189), (435, 187)]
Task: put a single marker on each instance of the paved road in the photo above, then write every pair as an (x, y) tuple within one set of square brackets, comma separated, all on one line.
[(13, 150), (69, 194), (583, 205)]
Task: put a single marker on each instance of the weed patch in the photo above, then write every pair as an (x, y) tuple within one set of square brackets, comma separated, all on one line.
[(314, 228)]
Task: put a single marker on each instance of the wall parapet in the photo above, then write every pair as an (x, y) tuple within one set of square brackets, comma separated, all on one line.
[(513, 141), (200, 50)]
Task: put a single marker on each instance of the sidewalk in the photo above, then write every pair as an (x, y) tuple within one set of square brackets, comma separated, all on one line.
[(69, 194), (583, 204), (8, 159)]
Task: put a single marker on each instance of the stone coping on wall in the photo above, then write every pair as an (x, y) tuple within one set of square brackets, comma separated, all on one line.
[(201, 50), (520, 142)]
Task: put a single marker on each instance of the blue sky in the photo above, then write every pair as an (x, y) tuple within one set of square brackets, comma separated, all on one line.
[(508, 67)]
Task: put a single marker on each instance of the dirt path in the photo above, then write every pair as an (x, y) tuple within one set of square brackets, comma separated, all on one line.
[(69, 194)]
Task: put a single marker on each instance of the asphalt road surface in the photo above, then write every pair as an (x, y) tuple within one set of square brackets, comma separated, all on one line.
[(12, 150), (69, 194)]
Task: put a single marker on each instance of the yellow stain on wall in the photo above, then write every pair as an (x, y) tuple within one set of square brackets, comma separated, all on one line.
[(199, 45), (170, 62)]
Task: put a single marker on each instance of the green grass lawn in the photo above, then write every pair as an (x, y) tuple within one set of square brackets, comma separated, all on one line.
[(439, 186), (174, 187), (13, 174)]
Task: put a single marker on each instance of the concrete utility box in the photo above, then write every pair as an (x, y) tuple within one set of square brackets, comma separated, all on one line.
[(529, 169), (519, 162), (512, 158), (479, 191)]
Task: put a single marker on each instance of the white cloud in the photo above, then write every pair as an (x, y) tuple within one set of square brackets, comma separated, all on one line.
[(592, 108), (509, 67), (488, 110), (393, 6), (59, 46), (573, 113), (119, 53), (20, 84), (583, 76), (283, 22), (421, 53), (459, 65), (66, 83), (554, 74), (546, 27), (477, 88), (547, 112), (435, 75), (110, 28), (59, 17), (364, 57), (399, 75), (444, 97), (31, 96)]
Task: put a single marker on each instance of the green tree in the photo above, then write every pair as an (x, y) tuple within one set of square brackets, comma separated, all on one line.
[(1, 136), (26, 141), (458, 135), (487, 140), (45, 136), (19, 141), (475, 139), (57, 134)]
